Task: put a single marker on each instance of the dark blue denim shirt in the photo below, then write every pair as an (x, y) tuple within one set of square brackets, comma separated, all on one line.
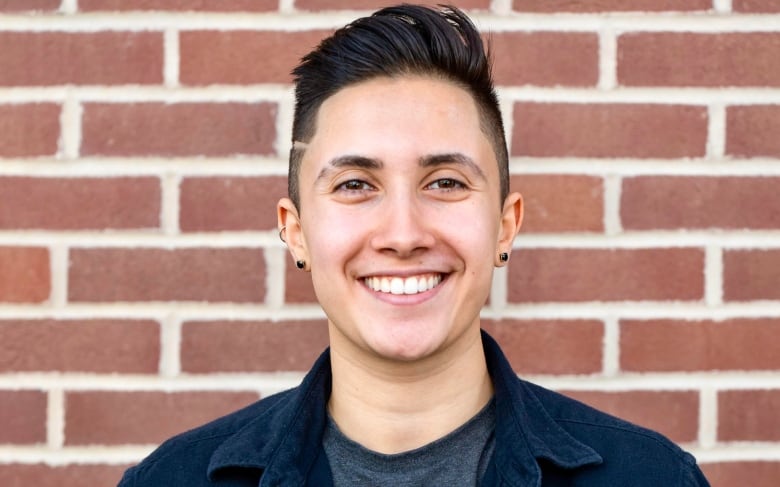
[(542, 439)]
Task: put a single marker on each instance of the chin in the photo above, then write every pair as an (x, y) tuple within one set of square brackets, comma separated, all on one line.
[(407, 348)]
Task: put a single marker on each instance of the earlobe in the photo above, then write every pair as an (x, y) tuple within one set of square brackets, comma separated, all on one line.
[(511, 221), (290, 230)]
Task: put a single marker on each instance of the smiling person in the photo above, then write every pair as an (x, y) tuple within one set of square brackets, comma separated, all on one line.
[(399, 207)]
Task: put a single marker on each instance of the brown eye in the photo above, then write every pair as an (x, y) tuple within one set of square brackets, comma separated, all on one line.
[(353, 185), (446, 184)]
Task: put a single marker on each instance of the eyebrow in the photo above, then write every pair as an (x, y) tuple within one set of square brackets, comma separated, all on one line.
[(432, 160), (350, 161), (450, 158)]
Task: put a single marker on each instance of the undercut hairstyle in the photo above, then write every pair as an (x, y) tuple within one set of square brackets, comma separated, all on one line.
[(405, 40)]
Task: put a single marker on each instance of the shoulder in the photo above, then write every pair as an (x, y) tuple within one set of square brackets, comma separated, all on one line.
[(637, 455), (184, 459)]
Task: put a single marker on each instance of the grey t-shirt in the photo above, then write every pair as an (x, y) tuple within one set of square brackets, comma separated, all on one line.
[(460, 458)]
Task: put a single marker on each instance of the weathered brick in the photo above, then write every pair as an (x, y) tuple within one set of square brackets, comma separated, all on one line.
[(755, 6), (23, 415), (18, 6), (608, 130), (90, 58), (545, 58), (670, 345), (737, 473), (150, 274), (561, 202), (100, 346), (751, 131), (550, 346), (25, 276), (254, 346), (696, 59), (298, 285), (212, 204), (751, 274), (143, 417), (79, 203), (749, 415), (674, 414), (560, 275), (75, 475), (242, 57), (179, 5), (179, 129), (661, 202), (315, 5), (29, 129), (589, 6)]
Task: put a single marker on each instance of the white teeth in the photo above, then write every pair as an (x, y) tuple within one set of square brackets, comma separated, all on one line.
[(400, 285), (397, 285)]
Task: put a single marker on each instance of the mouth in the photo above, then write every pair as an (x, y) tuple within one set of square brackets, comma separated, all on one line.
[(403, 285)]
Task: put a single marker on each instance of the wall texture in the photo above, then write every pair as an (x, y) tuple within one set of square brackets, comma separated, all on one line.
[(143, 289)]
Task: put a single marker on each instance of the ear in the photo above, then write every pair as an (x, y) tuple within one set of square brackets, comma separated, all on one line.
[(511, 221), (289, 223)]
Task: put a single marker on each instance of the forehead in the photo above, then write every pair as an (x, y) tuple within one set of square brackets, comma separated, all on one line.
[(399, 118)]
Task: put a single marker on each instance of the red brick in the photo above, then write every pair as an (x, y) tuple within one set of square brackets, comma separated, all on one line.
[(674, 414), (669, 345), (559, 275), (737, 474), (549, 346), (92, 58), (29, 130), (23, 416), (112, 418), (659, 202), (751, 275), (589, 6), (608, 130), (751, 131), (29, 5), (79, 203), (100, 346), (561, 203), (258, 346), (298, 285), (694, 59), (545, 58), (179, 5), (749, 415), (220, 203), (377, 4), (180, 129), (25, 276), (147, 274), (242, 57), (76, 475), (756, 6)]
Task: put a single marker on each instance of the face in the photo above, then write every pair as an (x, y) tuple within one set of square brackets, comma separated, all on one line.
[(400, 223)]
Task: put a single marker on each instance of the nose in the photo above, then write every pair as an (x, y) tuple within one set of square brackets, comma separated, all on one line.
[(402, 227)]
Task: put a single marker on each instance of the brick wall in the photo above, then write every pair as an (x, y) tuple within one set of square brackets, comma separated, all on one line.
[(143, 288)]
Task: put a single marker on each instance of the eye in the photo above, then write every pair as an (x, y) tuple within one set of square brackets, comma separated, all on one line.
[(354, 185), (446, 184)]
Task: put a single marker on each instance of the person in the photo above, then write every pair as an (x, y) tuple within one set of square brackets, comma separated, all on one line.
[(399, 207)]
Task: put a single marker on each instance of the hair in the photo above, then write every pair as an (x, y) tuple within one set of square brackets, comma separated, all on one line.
[(398, 41)]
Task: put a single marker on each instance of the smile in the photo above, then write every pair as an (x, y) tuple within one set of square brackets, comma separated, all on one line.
[(403, 285)]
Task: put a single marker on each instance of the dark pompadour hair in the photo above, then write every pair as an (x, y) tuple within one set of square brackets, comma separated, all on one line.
[(395, 41)]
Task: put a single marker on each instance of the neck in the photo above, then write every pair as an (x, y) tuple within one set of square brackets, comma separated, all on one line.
[(391, 407)]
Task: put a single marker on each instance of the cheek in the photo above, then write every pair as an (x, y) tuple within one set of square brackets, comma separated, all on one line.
[(330, 236)]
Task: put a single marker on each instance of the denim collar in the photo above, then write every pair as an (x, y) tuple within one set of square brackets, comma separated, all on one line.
[(284, 441)]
